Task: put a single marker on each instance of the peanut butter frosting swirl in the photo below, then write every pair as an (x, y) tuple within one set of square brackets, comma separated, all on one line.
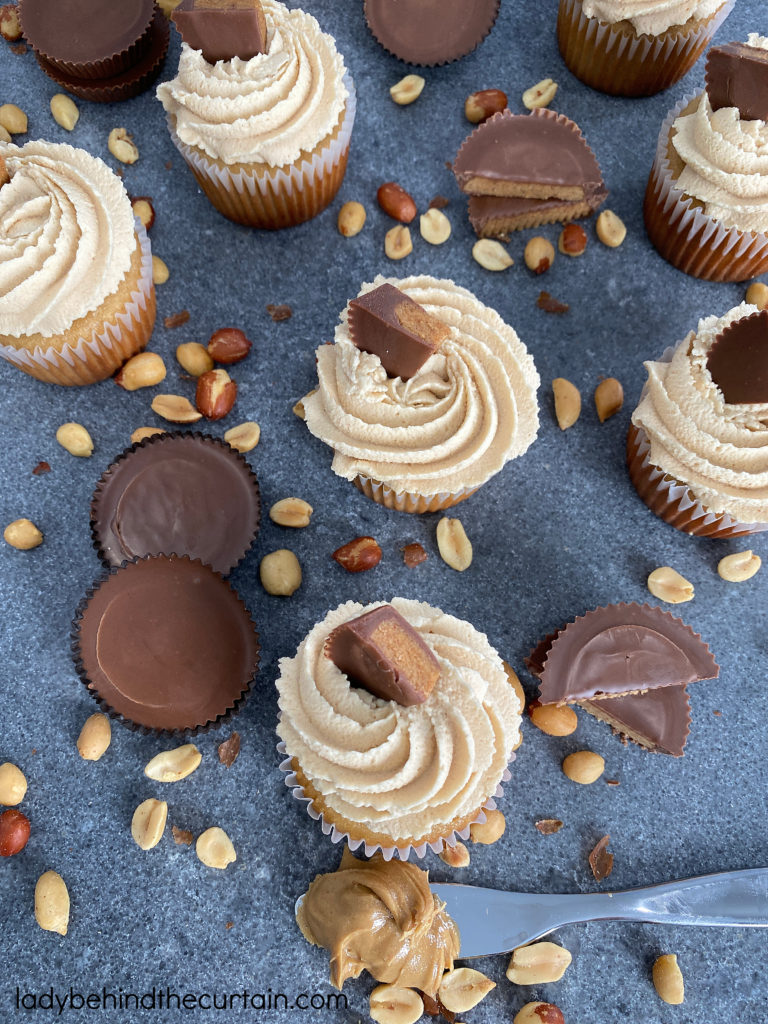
[(726, 165), (718, 450), (470, 408), (650, 17), (268, 109), (66, 237), (401, 771), (380, 916)]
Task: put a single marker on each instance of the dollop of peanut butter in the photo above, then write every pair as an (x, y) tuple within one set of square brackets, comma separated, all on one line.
[(380, 916)]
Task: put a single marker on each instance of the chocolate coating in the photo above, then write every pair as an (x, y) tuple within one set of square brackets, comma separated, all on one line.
[(430, 32), (184, 494), (737, 76), (496, 216), (166, 643), (222, 29), (658, 720), (738, 360)]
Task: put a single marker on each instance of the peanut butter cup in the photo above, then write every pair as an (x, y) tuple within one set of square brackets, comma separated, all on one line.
[(430, 32)]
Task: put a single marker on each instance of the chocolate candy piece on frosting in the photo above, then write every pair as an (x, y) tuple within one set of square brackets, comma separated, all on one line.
[(388, 323), (737, 76), (222, 29), (384, 654), (738, 360)]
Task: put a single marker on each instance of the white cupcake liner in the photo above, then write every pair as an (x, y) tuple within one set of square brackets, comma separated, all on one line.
[(410, 501), (290, 179), (387, 852), (685, 236), (110, 343)]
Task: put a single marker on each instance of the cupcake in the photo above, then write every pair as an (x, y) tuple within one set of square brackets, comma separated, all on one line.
[(75, 266), (706, 203), (98, 50), (430, 32), (420, 438), (177, 493), (636, 47), (406, 744), (266, 135), (165, 645), (698, 442)]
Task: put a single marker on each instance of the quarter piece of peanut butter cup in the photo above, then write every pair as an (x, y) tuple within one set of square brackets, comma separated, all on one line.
[(497, 216), (738, 360), (737, 76), (222, 29), (430, 32)]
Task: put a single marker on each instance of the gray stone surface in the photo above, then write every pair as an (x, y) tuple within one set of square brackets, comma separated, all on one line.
[(556, 533)]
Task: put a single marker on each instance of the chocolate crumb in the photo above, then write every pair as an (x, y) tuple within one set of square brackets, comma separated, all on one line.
[(181, 836), (229, 750), (439, 203), (20, 48), (413, 555), (548, 826), (717, 713), (40, 468), (550, 305), (229, 924), (600, 860), (177, 319), (612, 782), (434, 1008), (168, 165), (279, 313)]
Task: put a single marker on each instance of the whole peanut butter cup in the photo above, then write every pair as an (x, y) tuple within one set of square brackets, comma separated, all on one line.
[(430, 32)]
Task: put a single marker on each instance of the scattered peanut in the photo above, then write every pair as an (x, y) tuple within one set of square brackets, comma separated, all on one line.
[(479, 106), (175, 409), (95, 737), (567, 402), (540, 95), (351, 219), (13, 785), (194, 358), (491, 255), (144, 209), (584, 767), (174, 765), (13, 119), (141, 371), (160, 271), (148, 823), (64, 110), (5, 136), (757, 295), (396, 202), (22, 534), (280, 573), (397, 242), (538, 964), (215, 394), (572, 240), (453, 544), (407, 89), (10, 26), (740, 566), (539, 254), (142, 433), (455, 856), (298, 408), (214, 848), (229, 345), (463, 988), (434, 226), (611, 229), (668, 979), (15, 829), (609, 398), (52, 903), (668, 585), (516, 685), (75, 439), (554, 719), (358, 555), (293, 512), (122, 147), (490, 830), (391, 1004), (244, 437), (539, 1013), (168, 6)]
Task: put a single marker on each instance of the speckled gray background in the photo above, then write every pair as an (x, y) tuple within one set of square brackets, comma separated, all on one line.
[(556, 533)]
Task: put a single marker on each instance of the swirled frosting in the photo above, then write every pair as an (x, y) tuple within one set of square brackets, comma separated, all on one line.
[(66, 237), (726, 164), (719, 450), (469, 409), (650, 17), (380, 916), (401, 771), (268, 109)]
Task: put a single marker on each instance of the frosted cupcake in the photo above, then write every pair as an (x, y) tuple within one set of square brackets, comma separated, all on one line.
[(423, 439), (698, 444), (706, 204), (75, 266), (380, 772), (636, 47), (267, 137)]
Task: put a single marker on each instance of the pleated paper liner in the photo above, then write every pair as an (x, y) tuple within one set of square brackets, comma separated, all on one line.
[(260, 196), (618, 60), (302, 790), (230, 703), (106, 347), (683, 234), (409, 501)]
